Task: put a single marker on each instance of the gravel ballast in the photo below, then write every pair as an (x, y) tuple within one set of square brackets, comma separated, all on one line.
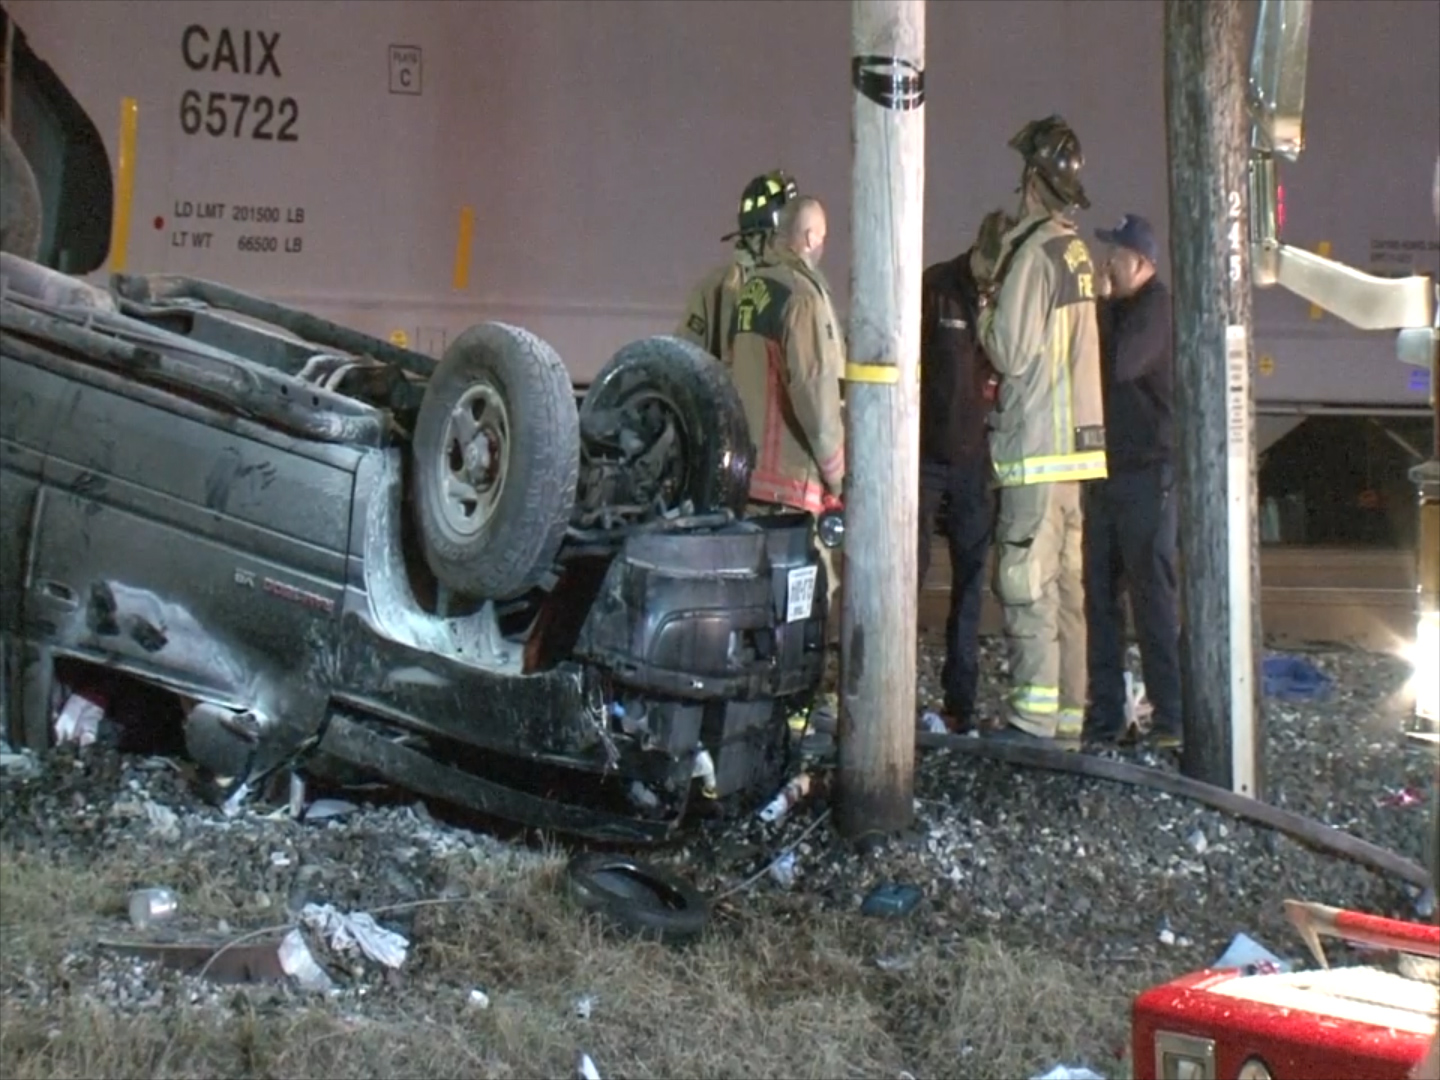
[(1093, 872)]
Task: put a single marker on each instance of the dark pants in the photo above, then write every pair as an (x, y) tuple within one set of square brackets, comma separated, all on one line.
[(962, 498), (1130, 544)]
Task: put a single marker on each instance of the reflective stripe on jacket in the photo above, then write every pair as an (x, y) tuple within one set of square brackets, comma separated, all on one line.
[(787, 359), (711, 304), (1041, 336)]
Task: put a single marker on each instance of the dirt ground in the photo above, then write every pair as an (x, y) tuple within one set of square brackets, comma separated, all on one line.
[(773, 990)]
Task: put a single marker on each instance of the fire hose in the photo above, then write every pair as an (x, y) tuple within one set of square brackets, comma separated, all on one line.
[(1307, 831)]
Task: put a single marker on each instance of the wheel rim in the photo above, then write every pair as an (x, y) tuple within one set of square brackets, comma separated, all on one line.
[(474, 459)]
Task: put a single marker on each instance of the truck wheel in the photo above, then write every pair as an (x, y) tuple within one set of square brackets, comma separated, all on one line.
[(637, 896), (497, 455), (20, 213), (669, 377)]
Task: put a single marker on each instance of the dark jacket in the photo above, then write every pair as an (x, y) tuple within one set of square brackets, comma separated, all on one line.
[(1137, 370), (956, 393)]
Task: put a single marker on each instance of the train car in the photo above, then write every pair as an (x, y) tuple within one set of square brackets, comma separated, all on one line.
[(407, 167)]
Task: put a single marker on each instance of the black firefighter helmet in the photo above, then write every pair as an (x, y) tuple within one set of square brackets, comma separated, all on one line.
[(1052, 151), (761, 201)]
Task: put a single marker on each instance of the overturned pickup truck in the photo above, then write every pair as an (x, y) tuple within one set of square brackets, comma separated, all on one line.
[(346, 557)]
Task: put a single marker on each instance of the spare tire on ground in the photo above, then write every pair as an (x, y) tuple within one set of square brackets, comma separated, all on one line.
[(694, 390), (20, 209), (496, 461), (637, 896)]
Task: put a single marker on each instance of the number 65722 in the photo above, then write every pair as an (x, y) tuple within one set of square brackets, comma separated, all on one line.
[(239, 116)]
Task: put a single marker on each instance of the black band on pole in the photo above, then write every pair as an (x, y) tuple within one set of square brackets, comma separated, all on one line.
[(888, 81)]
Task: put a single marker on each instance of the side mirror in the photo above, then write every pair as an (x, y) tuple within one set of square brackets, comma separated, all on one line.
[(1277, 77)]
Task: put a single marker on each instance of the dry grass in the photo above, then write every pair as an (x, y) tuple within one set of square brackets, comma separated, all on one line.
[(773, 990)]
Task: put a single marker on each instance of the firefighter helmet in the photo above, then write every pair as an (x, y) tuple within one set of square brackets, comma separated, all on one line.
[(761, 201), (1052, 151)]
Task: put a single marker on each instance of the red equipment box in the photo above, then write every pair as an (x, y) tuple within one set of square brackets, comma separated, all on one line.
[(1349, 1023)]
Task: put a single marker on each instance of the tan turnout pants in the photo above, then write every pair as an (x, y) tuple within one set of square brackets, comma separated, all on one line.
[(1040, 586)]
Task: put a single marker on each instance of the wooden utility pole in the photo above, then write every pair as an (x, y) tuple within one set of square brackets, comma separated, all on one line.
[(1207, 126), (877, 695)]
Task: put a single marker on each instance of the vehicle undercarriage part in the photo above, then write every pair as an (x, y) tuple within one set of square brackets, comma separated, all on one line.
[(496, 457), (663, 427), (168, 288), (1311, 833), (723, 616), (350, 741), (159, 361), (637, 896)]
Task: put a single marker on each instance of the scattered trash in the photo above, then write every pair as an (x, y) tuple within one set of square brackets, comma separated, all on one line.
[(1138, 709), (1425, 903), (164, 822), (150, 907), (1291, 678), (1198, 843), (1167, 933), (345, 933), (279, 859), (789, 795), (891, 900), (933, 723), (1069, 1072), (894, 963), (297, 796), (1245, 952), (479, 998), (299, 963), (231, 807), (584, 1006), (79, 719), (1400, 797), (782, 870), (18, 763), (585, 1068), (321, 809), (637, 896), (251, 963), (704, 771)]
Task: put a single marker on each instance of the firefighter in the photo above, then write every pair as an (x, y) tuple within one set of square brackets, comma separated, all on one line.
[(957, 388), (1037, 325), (787, 360), (707, 312)]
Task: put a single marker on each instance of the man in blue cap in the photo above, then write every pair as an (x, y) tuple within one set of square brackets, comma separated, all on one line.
[(1130, 517)]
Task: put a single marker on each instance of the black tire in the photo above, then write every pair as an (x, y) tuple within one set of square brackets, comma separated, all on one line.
[(20, 209), (637, 896), (705, 404), (508, 544)]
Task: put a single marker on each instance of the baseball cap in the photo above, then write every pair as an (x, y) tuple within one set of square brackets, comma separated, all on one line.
[(1135, 233)]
